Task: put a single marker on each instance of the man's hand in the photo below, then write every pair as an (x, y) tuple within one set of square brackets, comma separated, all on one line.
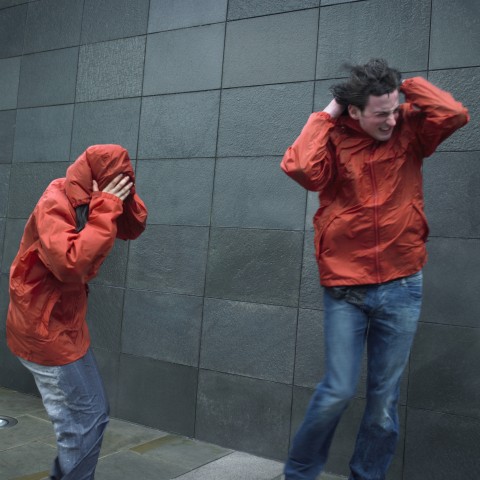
[(334, 109), (119, 186)]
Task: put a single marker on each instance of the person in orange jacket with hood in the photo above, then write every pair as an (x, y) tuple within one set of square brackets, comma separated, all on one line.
[(363, 154), (66, 239)]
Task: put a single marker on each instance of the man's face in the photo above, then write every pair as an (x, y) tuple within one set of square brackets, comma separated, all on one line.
[(379, 116)]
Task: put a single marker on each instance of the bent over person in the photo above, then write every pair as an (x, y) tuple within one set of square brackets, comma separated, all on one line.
[(363, 154), (67, 237)]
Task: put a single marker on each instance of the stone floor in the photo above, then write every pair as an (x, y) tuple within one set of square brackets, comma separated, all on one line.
[(129, 451)]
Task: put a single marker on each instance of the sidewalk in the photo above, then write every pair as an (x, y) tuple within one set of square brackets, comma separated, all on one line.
[(129, 451)]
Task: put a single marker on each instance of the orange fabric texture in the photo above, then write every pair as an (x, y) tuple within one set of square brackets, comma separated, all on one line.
[(371, 227), (48, 277)]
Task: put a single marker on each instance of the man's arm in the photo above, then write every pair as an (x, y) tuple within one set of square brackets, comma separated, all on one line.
[(435, 112), (309, 160)]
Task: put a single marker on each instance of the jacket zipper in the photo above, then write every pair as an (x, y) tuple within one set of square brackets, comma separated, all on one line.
[(375, 214)]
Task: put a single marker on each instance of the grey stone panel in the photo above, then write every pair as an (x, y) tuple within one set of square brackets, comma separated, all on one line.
[(324, 3), (4, 295), (13, 374), (252, 8), (48, 78), (313, 204), (237, 412), (323, 96), (108, 365), (452, 282), (344, 441), (11, 3), (254, 192), (7, 133), (184, 60), (263, 120), (27, 183), (111, 121), (441, 447), (182, 193), (53, 24), (452, 198), (104, 316), (249, 339), (169, 259), (310, 351), (43, 134), (4, 185), (173, 14), (12, 28), (444, 370), (179, 126), (13, 235), (455, 36), (259, 266), (311, 292), (111, 70), (164, 327), (9, 80), (273, 49), (157, 394), (3, 222), (113, 270), (348, 31), (111, 19), (462, 83)]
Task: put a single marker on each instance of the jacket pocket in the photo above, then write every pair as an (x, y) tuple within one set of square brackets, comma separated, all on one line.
[(424, 221), (323, 232), (42, 326)]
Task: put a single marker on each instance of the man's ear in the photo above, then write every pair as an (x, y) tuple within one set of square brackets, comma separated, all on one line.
[(354, 112)]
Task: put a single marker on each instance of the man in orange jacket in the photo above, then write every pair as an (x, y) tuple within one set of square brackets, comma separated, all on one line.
[(363, 154), (67, 237)]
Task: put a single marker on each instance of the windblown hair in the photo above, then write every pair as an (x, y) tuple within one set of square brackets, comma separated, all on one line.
[(373, 78), (82, 217)]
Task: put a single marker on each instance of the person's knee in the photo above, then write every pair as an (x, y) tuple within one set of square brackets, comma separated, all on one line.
[(334, 399), (103, 414)]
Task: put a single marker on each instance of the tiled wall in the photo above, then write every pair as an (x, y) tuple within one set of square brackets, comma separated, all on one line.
[(210, 325)]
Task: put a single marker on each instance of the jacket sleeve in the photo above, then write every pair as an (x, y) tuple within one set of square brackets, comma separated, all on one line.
[(436, 113), (309, 160), (76, 257)]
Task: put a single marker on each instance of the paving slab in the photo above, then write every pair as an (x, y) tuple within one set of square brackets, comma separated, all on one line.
[(187, 452), (13, 403), (131, 465), (27, 429), (236, 466), (30, 458), (121, 435)]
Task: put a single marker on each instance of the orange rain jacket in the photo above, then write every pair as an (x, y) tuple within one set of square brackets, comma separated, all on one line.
[(371, 226), (48, 277)]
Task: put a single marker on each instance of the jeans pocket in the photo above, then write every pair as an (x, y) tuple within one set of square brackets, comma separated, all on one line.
[(414, 285)]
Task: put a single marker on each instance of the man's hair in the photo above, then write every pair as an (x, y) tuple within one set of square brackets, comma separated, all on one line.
[(373, 78), (81, 213)]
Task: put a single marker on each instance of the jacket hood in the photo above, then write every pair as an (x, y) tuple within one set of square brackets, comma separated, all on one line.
[(103, 163)]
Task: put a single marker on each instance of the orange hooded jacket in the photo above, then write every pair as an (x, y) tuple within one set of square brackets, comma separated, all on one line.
[(48, 277), (371, 227)]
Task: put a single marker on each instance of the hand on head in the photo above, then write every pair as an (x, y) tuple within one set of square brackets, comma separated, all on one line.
[(119, 186)]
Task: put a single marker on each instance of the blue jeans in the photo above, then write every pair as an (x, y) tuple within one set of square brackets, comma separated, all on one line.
[(76, 403), (385, 318)]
